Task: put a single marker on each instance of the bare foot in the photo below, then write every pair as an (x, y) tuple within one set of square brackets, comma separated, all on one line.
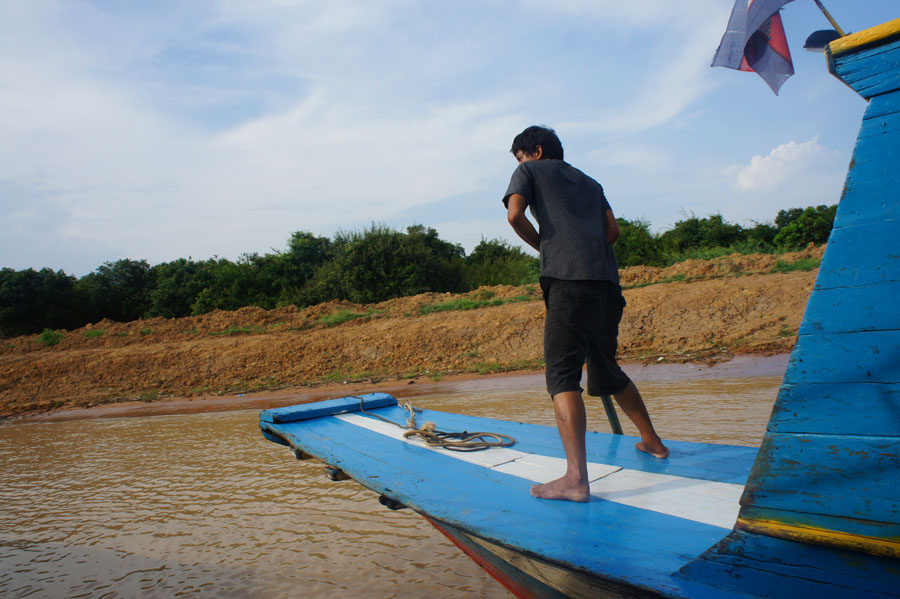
[(654, 448), (562, 488)]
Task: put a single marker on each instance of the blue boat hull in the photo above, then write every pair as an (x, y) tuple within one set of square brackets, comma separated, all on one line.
[(530, 577), (814, 513)]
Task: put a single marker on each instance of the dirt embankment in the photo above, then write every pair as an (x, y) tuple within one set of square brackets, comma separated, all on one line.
[(695, 310)]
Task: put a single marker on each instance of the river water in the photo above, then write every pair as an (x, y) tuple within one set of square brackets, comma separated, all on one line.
[(201, 505)]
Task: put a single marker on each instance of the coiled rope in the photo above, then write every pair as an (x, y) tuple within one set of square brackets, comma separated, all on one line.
[(464, 441)]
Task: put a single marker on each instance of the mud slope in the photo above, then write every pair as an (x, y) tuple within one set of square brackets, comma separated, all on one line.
[(695, 310)]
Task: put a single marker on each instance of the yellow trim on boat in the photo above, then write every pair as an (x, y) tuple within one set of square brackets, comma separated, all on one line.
[(866, 37), (821, 536)]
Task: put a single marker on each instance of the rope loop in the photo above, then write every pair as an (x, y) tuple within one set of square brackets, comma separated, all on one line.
[(454, 441)]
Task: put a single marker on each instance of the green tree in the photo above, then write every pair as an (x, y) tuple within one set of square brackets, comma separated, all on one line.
[(31, 301), (786, 217), (233, 285), (496, 262), (701, 233), (381, 263), (177, 285), (637, 245), (798, 227), (761, 237), (306, 254), (117, 290)]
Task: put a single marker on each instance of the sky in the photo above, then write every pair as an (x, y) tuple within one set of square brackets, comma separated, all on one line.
[(171, 129)]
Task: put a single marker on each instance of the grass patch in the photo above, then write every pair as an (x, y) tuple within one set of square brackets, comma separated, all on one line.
[(50, 338), (123, 333), (94, 333), (495, 367), (233, 330), (487, 367), (269, 383), (149, 396), (341, 376), (343, 316), (146, 331), (464, 303), (334, 377), (799, 265)]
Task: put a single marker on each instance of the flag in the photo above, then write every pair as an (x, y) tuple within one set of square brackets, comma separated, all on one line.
[(755, 41)]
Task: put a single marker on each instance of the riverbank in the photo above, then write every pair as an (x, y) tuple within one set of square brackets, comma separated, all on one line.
[(741, 366), (703, 312)]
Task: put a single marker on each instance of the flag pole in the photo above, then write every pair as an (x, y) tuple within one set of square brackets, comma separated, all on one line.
[(830, 18)]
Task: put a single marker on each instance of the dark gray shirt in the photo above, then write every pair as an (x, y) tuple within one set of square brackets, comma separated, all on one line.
[(570, 209)]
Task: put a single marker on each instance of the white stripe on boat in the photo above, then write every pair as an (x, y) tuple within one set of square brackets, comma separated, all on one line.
[(705, 501)]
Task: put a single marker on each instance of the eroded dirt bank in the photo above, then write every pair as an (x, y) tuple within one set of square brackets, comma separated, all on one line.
[(692, 311)]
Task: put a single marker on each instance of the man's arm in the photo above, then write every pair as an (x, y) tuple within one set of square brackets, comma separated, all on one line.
[(612, 227), (515, 214)]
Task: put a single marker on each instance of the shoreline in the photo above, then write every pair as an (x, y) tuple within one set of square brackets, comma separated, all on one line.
[(694, 311), (739, 366)]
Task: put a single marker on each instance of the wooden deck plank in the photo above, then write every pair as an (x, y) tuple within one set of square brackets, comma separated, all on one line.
[(861, 255), (861, 357), (838, 408), (870, 189), (716, 504), (863, 308), (868, 70), (769, 567), (868, 533), (852, 477), (712, 503), (715, 462), (340, 405), (599, 536)]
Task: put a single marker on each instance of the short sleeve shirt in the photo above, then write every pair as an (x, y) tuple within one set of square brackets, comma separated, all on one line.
[(570, 209)]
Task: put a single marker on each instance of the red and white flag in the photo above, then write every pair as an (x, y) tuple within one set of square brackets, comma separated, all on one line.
[(755, 41)]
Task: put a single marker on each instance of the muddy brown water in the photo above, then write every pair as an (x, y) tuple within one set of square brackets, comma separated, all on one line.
[(200, 505)]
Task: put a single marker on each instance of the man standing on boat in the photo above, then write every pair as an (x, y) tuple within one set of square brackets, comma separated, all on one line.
[(584, 302)]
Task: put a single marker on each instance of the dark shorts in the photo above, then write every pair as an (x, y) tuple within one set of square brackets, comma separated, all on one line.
[(582, 327)]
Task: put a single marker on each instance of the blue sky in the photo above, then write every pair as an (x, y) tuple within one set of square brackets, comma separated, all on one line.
[(175, 129)]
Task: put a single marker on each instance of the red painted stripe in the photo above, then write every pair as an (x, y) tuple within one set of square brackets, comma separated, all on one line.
[(777, 38), (515, 587)]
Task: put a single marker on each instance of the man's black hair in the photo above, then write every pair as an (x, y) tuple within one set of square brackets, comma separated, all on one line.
[(528, 141)]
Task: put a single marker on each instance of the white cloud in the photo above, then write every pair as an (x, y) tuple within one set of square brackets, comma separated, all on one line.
[(675, 70), (220, 126), (791, 159)]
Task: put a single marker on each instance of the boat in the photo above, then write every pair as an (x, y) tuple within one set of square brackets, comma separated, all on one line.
[(814, 511)]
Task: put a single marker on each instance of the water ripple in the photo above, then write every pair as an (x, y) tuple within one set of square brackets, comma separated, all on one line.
[(203, 506)]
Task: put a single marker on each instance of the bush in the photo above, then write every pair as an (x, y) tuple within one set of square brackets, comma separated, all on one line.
[(381, 263), (637, 245), (50, 338), (373, 265), (496, 262), (800, 227)]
